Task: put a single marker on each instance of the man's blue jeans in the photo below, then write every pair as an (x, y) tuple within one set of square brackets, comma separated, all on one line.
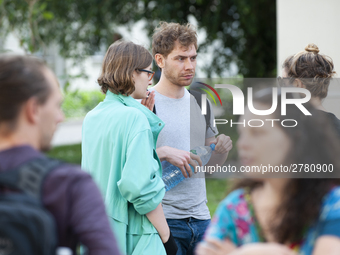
[(187, 233)]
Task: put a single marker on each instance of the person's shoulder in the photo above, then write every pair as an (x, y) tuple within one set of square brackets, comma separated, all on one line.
[(195, 101), (331, 205), (64, 181), (68, 172), (134, 121), (137, 117), (234, 197), (124, 115)]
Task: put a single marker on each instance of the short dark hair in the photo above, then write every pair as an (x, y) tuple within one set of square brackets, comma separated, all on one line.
[(165, 36), (21, 78), (120, 61)]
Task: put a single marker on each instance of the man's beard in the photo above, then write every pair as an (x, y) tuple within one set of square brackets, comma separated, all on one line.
[(170, 76)]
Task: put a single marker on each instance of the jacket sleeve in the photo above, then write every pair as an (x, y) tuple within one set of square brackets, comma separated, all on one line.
[(141, 183)]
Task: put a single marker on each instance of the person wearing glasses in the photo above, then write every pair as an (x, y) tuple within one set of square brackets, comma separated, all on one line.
[(119, 150)]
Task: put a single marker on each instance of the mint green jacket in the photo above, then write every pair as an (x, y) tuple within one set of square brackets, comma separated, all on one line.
[(119, 150)]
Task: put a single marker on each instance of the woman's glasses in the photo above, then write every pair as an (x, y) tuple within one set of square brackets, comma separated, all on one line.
[(150, 73)]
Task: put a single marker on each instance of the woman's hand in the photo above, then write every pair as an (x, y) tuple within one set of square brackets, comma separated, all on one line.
[(215, 247), (263, 249), (150, 101), (329, 245)]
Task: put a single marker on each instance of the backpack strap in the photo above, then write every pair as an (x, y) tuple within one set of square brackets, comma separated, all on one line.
[(29, 176), (197, 96), (154, 109)]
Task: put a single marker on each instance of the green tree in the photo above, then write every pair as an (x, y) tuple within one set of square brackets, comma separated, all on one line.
[(244, 31)]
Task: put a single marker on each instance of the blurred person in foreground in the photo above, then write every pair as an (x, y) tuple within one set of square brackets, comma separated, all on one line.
[(119, 150), (281, 213), (313, 71), (30, 109)]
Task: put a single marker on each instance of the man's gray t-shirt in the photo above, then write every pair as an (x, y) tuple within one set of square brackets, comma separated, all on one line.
[(184, 129)]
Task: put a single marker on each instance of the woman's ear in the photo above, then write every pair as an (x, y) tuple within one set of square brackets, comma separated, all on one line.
[(297, 83)]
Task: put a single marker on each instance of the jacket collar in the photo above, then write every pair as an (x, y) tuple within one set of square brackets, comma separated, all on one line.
[(155, 122)]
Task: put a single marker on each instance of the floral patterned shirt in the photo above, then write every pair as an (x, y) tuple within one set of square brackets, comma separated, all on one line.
[(233, 220)]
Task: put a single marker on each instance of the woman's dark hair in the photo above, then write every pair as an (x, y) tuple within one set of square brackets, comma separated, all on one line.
[(313, 141), (120, 61), (21, 78), (313, 69)]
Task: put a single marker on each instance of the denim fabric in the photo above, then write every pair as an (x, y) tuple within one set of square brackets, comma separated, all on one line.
[(187, 233)]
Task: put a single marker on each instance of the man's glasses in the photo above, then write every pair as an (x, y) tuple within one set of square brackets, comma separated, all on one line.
[(150, 73)]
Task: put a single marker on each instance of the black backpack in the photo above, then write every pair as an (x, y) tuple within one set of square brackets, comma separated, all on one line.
[(26, 227), (197, 96)]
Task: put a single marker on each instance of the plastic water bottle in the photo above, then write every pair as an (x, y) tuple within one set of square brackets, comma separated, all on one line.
[(173, 175), (64, 251)]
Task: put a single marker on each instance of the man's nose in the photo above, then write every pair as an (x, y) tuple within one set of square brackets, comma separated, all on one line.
[(188, 64)]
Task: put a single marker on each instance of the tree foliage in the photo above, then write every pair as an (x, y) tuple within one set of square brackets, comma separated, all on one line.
[(241, 31)]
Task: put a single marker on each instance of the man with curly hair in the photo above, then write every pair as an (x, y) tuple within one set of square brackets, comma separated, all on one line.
[(174, 48)]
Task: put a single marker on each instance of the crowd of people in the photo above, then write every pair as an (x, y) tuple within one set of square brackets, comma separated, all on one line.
[(117, 204)]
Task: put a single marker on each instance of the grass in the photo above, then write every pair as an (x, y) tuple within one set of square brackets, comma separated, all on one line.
[(216, 192), (216, 188), (68, 153)]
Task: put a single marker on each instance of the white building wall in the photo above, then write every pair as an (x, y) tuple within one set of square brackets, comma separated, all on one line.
[(300, 22)]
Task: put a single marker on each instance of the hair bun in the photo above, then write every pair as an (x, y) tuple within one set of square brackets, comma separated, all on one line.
[(312, 48)]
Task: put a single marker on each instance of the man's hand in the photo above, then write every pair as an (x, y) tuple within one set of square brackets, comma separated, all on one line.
[(223, 144), (150, 101), (180, 158)]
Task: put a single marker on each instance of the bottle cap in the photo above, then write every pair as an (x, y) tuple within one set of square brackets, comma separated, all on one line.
[(64, 251), (212, 146)]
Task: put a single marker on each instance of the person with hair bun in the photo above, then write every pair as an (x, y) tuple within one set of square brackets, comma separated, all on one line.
[(119, 149), (313, 71)]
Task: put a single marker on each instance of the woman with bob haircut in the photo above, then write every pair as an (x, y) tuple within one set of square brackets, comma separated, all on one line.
[(281, 213), (118, 149)]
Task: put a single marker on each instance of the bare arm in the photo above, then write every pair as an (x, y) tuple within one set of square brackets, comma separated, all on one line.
[(157, 218), (179, 158), (329, 245)]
